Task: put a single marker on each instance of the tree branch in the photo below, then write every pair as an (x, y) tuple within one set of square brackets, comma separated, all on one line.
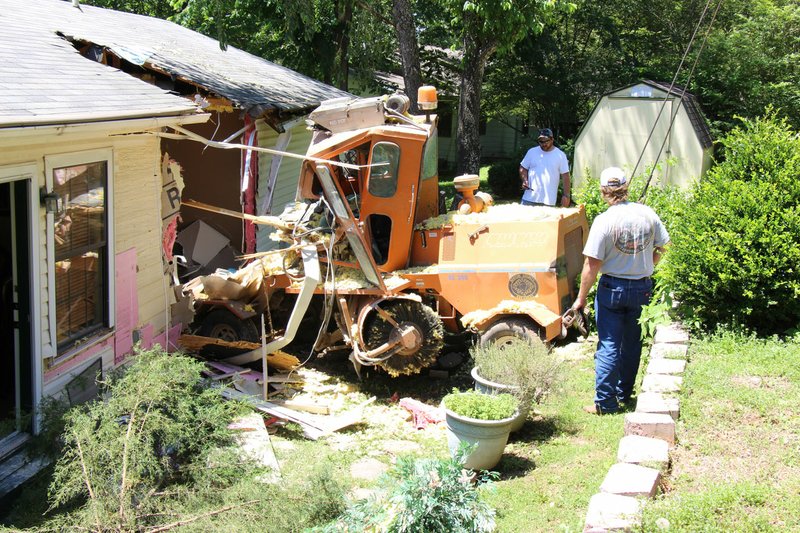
[(173, 525)]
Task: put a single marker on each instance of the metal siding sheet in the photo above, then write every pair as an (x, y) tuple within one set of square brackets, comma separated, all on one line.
[(288, 174)]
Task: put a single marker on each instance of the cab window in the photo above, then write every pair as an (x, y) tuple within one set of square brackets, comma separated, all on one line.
[(430, 158), (383, 169)]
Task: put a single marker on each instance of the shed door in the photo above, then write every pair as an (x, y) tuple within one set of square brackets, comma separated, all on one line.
[(628, 128)]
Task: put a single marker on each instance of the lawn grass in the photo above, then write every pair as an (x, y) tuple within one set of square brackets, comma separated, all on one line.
[(567, 454), (737, 463), (736, 466)]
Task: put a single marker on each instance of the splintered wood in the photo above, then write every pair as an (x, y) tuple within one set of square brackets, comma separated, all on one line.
[(209, 347)]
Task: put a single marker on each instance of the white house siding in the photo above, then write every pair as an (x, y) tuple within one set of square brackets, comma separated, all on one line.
[(137, 223), (137, 212), (288, 174)]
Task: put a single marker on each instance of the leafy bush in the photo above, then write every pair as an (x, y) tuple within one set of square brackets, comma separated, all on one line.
[(472, 404), (736, 248), (160, 426), (504, 180), (423, 495), (530, 367)]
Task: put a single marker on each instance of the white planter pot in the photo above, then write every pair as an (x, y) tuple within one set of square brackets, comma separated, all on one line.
[(490, 387), (491, 437)]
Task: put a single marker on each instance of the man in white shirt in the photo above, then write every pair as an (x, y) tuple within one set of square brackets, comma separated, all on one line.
[(624, 245), (540, 170)]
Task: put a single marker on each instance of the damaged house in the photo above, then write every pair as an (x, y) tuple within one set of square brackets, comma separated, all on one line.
[(95, 110)]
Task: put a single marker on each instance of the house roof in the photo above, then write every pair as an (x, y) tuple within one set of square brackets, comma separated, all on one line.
[(41, 72), (44, 80)]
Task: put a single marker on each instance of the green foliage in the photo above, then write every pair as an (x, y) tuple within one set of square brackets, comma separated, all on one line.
[(530, 367), (752, 63), (736, 247), (504, 180), (159, 427), (656, 313), (472, 404), (423, 495), (667, 201)]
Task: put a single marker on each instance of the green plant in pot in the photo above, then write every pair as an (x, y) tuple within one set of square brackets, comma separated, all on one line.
[(482, 421), (528, 370)]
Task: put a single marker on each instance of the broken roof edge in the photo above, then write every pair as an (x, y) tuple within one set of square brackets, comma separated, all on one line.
[(117, 125)]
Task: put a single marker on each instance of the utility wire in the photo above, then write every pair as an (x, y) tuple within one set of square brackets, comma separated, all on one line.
[(671, 86), (680, 102)]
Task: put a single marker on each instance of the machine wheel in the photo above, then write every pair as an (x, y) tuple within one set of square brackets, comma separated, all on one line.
[(423, 319), (507, 330), (222, 324)]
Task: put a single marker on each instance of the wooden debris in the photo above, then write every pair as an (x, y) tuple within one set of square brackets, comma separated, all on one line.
[(319, 408), (207, 347), (314, 426)]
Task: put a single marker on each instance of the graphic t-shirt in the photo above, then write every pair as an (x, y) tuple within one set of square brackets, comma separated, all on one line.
[(623, 238), (544, 171)]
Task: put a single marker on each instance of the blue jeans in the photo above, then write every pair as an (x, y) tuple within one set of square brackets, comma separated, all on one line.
[(618, 305)]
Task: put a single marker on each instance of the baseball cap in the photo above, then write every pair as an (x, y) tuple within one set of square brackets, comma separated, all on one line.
[(545, 132), (613, 177)]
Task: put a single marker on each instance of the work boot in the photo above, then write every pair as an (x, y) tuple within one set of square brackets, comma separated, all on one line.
[(592, 409)]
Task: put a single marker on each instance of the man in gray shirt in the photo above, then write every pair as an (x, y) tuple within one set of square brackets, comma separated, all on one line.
[(624, 245)]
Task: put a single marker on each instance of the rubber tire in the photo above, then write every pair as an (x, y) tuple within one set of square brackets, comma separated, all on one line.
[(222, 324), (506, 329)]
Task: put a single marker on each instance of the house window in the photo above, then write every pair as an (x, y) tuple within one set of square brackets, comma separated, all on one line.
[(81, 251)]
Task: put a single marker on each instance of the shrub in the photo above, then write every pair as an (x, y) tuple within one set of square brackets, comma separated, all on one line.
[(504, 180), (736, 249), (160, 426), (423, 495), (530, 367), (472, 404)]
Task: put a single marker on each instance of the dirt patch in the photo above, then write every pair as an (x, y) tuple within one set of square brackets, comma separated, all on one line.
[(762, 382)]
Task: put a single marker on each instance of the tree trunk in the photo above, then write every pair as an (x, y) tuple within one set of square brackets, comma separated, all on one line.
[(468, 141), (344, 17), (409, 49)]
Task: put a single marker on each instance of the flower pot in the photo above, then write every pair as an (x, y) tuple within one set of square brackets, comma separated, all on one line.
[(491, 437), (491, 387)]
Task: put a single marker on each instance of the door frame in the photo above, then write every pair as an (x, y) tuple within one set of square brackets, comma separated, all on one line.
[(28, 175)]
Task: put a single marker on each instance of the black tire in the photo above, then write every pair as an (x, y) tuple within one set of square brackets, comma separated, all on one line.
[(224, 325), (509, 329)]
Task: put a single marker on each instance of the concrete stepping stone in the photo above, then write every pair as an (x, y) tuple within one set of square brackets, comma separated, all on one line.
[(631, 480), (644, 451), (368, 468), (611, 512), (658, 403), (669, 351), (661, 383), (673, 334), (656, 426), (666, 366)]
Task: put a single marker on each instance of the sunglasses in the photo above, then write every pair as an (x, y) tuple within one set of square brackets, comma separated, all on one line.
[(545, 141)]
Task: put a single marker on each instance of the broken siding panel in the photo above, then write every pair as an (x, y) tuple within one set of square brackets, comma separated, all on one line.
[(137, 213), (57, 386), (288, 174)]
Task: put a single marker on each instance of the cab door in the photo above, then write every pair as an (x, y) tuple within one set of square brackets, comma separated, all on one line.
[(390, 199)]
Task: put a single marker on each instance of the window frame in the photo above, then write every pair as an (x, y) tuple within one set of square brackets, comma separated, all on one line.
[(53, 162)]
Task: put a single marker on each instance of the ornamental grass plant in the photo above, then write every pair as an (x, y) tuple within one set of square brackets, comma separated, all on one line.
[(530, 367)]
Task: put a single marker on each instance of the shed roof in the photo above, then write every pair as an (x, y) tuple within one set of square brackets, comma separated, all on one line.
[(42, 74)]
